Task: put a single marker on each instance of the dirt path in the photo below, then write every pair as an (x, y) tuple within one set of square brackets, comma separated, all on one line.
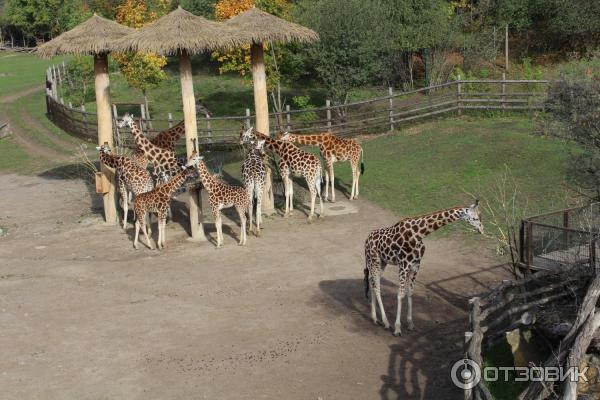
[(25, 140), (85, 316)]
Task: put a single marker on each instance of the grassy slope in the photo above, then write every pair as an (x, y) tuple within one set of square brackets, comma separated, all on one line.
[(20, 71)]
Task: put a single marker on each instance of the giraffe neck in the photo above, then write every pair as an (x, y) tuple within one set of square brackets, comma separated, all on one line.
[(111, 160), (426, 224), (172, 184), (140, 139), (205, 176), (308, 139)]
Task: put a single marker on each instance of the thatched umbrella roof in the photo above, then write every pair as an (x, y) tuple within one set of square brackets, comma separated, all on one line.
[(94, 36), (180, 30), (257, 26)]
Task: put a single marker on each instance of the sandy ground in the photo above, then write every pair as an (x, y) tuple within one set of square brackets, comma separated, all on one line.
[(85, 316)]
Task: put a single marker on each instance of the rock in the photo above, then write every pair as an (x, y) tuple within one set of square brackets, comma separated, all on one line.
[(591, 388), (4, 130)]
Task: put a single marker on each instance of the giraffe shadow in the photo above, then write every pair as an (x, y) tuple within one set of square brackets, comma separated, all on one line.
[(419, 362)]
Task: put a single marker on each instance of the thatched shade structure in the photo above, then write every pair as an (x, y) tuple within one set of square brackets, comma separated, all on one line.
[(183, 33), (255, 27), (96, 37)]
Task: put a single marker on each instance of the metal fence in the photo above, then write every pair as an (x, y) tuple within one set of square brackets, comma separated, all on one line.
[(561, 239), (375, 115)]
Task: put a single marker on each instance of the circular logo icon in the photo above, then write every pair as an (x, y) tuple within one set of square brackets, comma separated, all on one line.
[(465, 374)]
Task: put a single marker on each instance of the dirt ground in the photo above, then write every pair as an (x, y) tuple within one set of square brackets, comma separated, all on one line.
[(85, 316)]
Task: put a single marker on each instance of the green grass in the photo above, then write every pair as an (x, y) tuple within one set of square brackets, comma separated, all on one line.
[(13, 156), (20, 71)]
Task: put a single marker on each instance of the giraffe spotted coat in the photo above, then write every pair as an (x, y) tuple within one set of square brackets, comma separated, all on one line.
[(402, 244), (292, 160), (254, 176), (333, 149)]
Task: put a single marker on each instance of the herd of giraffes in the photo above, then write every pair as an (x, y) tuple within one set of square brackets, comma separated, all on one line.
[(400, 244)]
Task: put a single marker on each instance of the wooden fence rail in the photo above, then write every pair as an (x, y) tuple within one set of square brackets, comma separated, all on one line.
[(375, 115)]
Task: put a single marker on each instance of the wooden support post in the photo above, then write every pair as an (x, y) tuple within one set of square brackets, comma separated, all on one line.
[(288, 118), (459, 97), (391, 93), (191, 140), (328, 105), (170, 120), (144, 125), (105, 132)]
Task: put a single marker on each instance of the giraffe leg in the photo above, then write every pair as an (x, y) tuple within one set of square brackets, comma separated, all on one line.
[(242, 215), (125, 208), (148, 240), (409, 319), (313, 196), (250, 192), (326, 184), (258, 211), (353, 193), (332, 177), (286, 187), (291, 184), (137, 231), (219, 225), (357, 179), (402, 284), (318, 189), (377, 291)]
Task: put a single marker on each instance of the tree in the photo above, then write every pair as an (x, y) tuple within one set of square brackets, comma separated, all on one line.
[(347, 54), (572, 112), (141, 70), (203, 8)]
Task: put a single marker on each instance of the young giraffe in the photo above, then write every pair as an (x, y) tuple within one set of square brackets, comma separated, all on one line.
[(254, 176), (158, 201), (132, 178), (222, 195), (402, 245), (292, 160), (333, 149), (163, 160)]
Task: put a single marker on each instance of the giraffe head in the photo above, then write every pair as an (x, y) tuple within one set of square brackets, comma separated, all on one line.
[(472, 215), (260, 146), (105, 148), (283, 136), (246, 135), (127, 120), (193, 161)]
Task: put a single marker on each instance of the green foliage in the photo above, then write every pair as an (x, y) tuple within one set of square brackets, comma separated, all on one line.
[(303, 103), (42, 19), (203, 8), (572, 113), (80, 85)]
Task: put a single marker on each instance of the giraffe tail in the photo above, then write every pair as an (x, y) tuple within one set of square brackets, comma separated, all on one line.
[(362, 163), (366, 271)]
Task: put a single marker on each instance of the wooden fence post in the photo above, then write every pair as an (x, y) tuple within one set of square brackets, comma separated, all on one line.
[(116, 131), (170, 120), (248, 122), (459, 97), (288, 117), (468, 337), (208, 127), (143, 123), (529, 246), (391, 93), (328, 105), (85, 118), (503, 92)]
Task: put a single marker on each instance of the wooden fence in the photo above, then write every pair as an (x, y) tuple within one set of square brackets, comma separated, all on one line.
[(521, 303), (380, 114)]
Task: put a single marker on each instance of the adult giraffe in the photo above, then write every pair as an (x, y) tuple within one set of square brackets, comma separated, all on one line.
[(333, 148)]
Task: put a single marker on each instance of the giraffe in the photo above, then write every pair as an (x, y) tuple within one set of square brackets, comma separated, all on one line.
[(168, 138), (163, 160), (402, 244), (158, 200), (333, 148), (254, 175), (132, 177), (292, 160), (222, 195)]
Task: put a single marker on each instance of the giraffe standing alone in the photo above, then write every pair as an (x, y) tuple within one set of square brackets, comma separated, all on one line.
[(158, 201), (254, 176), (132, 177), (402, 244), (222, 195), (292, 160), (333, 148), (163, 160)]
